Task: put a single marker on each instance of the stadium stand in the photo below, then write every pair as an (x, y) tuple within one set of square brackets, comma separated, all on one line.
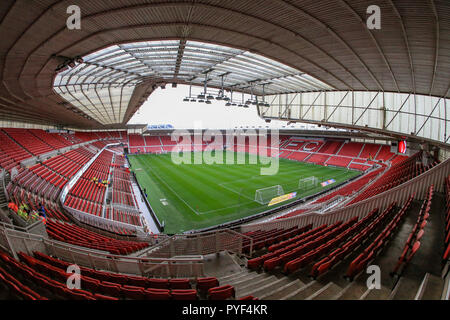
[(412, 245)]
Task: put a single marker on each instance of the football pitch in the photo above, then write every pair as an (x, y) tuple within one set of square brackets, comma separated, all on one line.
[(196, 196)]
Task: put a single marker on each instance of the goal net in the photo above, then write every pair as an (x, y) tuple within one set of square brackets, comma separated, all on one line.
[(307, 183), (263, 196)]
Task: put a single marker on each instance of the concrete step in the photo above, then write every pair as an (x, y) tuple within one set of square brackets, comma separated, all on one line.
[(304, 292), (326, 293), (376, 294), (353, 291), (282, 291), (253, 284), (233, 276), (431, 288), (240, 261), (405, 289), (246, 278), (267, 288)]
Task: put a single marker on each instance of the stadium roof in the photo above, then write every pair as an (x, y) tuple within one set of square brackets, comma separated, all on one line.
[(327, 40), (102, 84)]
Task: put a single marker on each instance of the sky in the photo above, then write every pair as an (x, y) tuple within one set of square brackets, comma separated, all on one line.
[(167, 107)]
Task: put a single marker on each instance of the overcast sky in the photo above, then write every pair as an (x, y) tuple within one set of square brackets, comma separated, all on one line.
[(167, 107)]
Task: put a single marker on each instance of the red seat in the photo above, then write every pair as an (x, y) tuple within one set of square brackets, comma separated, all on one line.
[(204, 284), (135, 293), (110, 289), (89, 283), (103, 297), (157, 294), (221, 293), (181, 294), (179, 284), (158, 283)]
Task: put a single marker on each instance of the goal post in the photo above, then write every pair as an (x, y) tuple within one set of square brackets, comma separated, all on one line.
[(305, 183), (264, 195)]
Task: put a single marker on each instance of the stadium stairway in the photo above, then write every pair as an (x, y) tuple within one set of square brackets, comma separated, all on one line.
[(421, 279)]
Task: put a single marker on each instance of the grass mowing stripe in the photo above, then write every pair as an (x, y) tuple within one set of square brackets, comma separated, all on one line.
[(199, 196)]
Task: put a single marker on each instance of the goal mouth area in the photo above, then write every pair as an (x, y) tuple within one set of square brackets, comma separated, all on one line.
[(265, 195)]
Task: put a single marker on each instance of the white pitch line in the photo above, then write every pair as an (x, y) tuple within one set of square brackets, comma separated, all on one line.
[(176, 194)]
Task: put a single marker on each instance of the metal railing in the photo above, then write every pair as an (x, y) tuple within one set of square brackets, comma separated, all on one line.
[(19, 240), (202, 244)]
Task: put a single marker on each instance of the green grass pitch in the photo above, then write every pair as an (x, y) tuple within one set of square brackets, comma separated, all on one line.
[(196, 196)]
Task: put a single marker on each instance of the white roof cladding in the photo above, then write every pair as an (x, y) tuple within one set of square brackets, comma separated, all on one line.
[(102, 85)]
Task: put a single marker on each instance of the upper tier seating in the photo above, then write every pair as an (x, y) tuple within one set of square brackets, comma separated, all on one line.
[(28, 141), (136, 140), (338, 161), (318, 158), (11, 153), (351, 149), (385, 153), (369, 151), (167, 141), (85, 136), (152, 141), (330, 147), (52, 139), (298, 155)]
